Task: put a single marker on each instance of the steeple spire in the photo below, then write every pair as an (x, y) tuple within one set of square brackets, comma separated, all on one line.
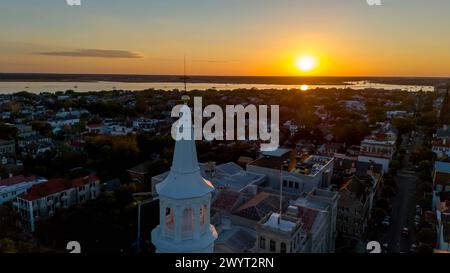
[(184, 203), (185, 179)]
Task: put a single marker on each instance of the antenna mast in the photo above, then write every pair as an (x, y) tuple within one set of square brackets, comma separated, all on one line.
[(185, 79), (281, 193)]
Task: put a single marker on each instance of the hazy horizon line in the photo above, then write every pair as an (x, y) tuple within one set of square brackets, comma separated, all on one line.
[(209, 75)]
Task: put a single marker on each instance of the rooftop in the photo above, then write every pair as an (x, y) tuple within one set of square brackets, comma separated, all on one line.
[(277, 153), (239, 239), (16, 180), (225, 200), (225, 176), (443, 133), (276, 221), (294, 162), (259, 206), (232, 176), (380, 139), (442, 167), (56, 185)]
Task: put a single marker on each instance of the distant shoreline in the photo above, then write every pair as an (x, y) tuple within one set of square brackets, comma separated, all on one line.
[(278, 80)]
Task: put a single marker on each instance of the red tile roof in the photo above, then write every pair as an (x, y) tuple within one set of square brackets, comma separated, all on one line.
[(259, 206), (16, 180), (56, 185), (225, 200)]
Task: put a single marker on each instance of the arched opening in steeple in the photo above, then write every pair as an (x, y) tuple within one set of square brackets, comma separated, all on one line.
[(170, 222), (203, 211), (188, 221)]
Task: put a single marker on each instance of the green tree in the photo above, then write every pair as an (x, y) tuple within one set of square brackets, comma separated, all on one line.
[(403, 125), (426, 236)]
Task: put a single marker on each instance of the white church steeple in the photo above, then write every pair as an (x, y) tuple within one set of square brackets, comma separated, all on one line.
[(185, 201)]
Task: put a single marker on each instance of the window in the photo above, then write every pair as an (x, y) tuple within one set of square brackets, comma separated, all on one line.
[(284, 183), (262, 242), (283, 247), (296, 185), (273, 246), (290, 184)]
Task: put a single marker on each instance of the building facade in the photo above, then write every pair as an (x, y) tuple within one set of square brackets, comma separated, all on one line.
[(378, 148), (300, 173), (7, 147), (14, 186), (42, 200), (355, 204)]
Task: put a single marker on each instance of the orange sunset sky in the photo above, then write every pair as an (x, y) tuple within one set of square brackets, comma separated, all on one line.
[(227, 37)]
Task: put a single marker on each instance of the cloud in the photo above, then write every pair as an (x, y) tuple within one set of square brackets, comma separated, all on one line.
[(94, 53)]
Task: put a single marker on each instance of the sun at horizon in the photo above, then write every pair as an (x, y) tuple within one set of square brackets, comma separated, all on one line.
[(306, 63)]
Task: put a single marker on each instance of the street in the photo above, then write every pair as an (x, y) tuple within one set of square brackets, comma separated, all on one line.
[(404, 203)]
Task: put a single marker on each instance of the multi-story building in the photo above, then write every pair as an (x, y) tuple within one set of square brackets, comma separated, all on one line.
[(346, 167), (355, 204), (7, 147), (42, 200), (300, 173), (14, 186), (278, 233), (441, 147), (441, 177), (443, 221), (307, 226), (441, 142), (378, 148), (322, 205)]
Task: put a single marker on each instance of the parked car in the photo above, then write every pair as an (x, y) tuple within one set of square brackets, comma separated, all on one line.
[(405, 232), (417, 224)]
